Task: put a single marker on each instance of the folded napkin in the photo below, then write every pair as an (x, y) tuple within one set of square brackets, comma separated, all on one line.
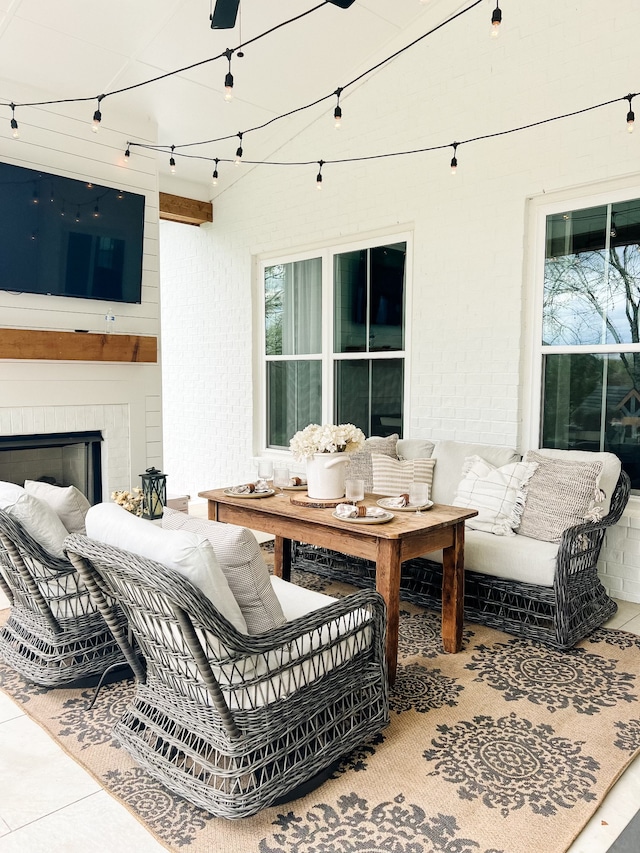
[(297, 481), (247, 488), (350, 511), (399, 502)]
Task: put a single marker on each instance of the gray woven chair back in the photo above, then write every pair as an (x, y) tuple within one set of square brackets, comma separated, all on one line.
[(54, 635), (234, 722)]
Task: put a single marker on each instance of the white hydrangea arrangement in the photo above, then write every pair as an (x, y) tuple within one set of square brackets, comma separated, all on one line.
[(326, 438)]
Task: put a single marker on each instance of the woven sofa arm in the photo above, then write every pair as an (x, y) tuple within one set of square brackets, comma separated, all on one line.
[(580, 545)]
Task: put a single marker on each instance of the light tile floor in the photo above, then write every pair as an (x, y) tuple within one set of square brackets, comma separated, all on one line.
[(49, 804)]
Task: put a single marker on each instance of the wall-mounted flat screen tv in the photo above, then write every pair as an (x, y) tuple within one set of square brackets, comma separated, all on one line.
[(65, 237)]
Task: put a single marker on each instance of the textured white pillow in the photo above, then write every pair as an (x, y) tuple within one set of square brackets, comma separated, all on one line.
[(186, 553), (68, 503), (40, 521), (394, 476), (497, 493), (240, 558)]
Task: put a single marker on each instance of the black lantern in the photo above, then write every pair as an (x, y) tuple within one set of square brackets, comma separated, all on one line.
[(154, 493)]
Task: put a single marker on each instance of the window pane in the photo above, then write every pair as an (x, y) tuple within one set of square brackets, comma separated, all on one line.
[(369, 394), (369, 299), (386, 299), (592, 276), (591, 402), (293, 308), (350, 301), (294, 395)]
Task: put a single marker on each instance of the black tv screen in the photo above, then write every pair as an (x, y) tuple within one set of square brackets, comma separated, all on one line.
[(66, 237)]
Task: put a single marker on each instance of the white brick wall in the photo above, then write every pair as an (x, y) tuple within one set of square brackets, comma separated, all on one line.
[(56, 396), (471, 311)]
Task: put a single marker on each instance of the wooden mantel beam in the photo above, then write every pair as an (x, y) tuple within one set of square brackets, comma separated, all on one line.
[(176, 208)]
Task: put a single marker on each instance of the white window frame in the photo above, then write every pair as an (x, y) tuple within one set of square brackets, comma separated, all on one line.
[(326, 251), (539, 208)]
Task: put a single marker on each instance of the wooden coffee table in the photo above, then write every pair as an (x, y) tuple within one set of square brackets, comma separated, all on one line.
[(388, 545)]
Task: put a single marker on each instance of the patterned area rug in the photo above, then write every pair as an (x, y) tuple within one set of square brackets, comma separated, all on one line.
[(507, 747)]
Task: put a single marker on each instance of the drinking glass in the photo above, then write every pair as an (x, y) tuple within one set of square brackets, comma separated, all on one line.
[(418, 495), (280, 479), (265, 469), (354, 491)]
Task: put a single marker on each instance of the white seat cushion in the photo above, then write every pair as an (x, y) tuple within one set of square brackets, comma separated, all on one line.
[(240, 558), (68, 502), (190, 555), (516, 558)]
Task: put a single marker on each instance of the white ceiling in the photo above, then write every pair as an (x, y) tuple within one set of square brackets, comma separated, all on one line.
[(82, 48)]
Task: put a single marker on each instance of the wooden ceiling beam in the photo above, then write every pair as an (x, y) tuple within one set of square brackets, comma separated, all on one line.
[(190, 211)]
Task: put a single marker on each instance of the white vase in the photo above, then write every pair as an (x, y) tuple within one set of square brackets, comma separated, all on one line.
[(326, 475)]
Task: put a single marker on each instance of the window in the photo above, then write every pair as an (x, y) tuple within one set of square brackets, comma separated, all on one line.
[(334, 341), (591, 332)]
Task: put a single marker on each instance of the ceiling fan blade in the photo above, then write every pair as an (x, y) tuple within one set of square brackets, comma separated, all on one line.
[(224, 14)]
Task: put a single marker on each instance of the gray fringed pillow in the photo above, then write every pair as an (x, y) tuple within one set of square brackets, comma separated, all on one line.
[(359, 466), (560, 494)]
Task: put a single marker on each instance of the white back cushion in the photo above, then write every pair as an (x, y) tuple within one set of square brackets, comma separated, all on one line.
[(186, 553), (240, 558), (37, 518), (450, 456), (68, 502)]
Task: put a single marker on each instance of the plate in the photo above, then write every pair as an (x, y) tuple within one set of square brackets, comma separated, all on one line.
[(250, 494), (295, 488), (383, 502), (364, 519)]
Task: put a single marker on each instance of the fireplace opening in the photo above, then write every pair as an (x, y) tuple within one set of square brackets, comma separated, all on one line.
[(63, 459)]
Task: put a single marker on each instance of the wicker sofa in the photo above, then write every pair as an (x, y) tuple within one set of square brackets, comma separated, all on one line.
[(544, 590)]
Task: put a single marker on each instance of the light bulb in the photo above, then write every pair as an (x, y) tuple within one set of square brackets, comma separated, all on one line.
[(14, 129), (239, 153), (630, 121), (97, 118), (319, 181), (496, 20), (172, 165), (228, 86), (454, 165), (214, 178), (337, 115)]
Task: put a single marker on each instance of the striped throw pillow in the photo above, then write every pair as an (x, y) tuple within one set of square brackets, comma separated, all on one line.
[(393, 477)]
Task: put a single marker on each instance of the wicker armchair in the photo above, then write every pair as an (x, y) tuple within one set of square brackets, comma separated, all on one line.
[(559, 615), (235, 722), (54, 635)]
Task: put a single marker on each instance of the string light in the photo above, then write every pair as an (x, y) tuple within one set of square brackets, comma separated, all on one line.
[(228, 80), (337, 113), (14, 124), (239, 151), (319, 175), (127, 153), (172, 161), (97, 116), (214, 177), (496, 20), (630, 115), (454, 159), (96, 212)]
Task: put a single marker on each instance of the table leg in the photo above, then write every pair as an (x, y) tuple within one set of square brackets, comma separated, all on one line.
[(212, 510), (453, 591), (388, 585), (282, 558)]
